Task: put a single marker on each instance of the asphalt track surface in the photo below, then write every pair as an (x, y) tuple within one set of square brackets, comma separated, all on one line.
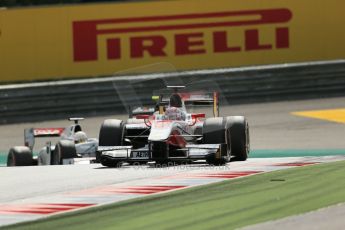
[(272, 127)]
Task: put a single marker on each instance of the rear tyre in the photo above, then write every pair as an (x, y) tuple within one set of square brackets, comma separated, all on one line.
[(240, 143), (64, 149), (19, 156), (111, 134), (215, 132)]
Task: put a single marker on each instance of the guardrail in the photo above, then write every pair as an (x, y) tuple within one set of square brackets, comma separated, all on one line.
[(91, 97)]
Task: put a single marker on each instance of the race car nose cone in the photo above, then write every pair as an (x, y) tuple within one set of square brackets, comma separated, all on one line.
[(160, 131)]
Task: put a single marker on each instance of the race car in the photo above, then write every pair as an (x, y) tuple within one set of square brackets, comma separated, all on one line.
[(172, 135), (73, 147)]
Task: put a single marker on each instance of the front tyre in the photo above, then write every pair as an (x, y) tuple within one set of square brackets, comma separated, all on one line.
[(215, 132), (240, 143), (111, 133)]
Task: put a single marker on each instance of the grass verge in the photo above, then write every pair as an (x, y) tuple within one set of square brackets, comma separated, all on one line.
[(229, 204), (268, 153)]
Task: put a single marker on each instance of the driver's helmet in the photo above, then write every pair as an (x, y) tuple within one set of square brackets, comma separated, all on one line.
[(175, 101), (80, 137)]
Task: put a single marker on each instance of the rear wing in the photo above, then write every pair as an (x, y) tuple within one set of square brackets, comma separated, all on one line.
[(194, 98), (31, 133), (141, 111)]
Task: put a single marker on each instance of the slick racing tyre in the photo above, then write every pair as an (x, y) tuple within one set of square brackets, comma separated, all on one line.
[(64, 149), (215, 132), (111, 133), (239, 130), (19, 156)]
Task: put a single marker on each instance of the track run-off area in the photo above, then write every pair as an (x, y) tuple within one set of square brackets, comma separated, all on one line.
[(283, 135)]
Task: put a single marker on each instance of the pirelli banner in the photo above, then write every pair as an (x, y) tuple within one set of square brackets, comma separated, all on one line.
[(104, 39)]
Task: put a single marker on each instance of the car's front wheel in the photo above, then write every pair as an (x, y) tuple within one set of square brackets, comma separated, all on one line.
[(110, 134), (215, 132), (240, 143)]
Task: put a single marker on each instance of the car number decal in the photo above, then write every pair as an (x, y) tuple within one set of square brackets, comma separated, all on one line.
[(140, 154)]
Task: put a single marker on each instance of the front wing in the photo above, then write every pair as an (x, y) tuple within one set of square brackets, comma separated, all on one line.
[(127, 153)]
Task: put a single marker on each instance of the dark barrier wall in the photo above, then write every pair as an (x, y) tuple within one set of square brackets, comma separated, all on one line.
[(45, 101)]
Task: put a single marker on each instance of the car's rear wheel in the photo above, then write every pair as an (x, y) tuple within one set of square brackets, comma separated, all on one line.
[(110, 134), (240, 143), (19, 156), (64, 149), (215, 132)]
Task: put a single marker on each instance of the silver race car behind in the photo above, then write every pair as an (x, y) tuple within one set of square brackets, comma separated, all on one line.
[(73, 147)]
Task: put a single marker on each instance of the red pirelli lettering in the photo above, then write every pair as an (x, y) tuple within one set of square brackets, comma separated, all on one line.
[(154, 45), (85, 33), (189, 43), (220, 43)]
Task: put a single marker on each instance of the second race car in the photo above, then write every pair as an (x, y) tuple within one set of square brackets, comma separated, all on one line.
[(73, 147)]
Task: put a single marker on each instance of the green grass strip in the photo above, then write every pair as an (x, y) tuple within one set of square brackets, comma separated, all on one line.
[(268, 153), (226, 205)]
